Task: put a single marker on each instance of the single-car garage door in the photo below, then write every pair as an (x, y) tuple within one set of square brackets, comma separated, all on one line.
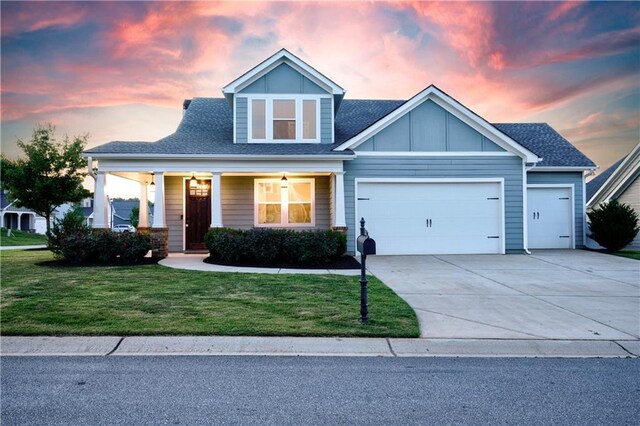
[(550, 219), (432, 217)]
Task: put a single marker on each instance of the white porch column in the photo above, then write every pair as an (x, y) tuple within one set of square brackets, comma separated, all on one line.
[(338, 202), (216, 202), (143, 219), (158, 206), (100, 202), (19, 227)]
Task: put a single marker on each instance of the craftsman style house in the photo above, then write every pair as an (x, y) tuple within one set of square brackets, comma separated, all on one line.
[(285, 148)]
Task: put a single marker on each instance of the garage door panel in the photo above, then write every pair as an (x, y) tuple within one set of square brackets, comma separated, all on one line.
[(432, 218)]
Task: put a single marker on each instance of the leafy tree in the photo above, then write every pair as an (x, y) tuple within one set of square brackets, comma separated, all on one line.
[(134, 216), (49, 175), (613, 225)]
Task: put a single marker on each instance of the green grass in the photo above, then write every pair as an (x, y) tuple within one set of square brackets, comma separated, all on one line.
[(631, 254), (155, 300), (20, 238)]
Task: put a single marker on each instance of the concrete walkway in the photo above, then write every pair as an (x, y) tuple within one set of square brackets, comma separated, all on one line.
[(194, 262), (310, 346), (551, 294), (23, 247)]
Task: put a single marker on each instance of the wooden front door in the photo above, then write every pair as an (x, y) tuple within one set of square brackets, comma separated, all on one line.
[(198, 214)]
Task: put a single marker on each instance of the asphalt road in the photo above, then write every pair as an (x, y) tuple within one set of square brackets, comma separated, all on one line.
[(309, 390)]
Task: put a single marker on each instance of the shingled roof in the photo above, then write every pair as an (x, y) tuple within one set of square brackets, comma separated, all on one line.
[(207, 129), (594, 184)]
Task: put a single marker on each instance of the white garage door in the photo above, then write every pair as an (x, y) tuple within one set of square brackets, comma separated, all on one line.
[(550, 217), (432, 218)]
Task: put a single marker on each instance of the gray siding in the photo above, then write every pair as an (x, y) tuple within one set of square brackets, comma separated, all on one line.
[(631, 197), (574, 178), (326, 120), (241, 120), (174, 209), (509, 168), (428, 127), (237, 193), (284, 79)]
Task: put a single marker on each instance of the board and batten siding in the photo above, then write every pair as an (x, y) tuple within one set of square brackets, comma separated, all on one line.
[(237, 194), (507, 167), (428, 128), (573, 178), (174, 210)]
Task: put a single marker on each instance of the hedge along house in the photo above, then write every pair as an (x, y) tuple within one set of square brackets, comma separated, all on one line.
[(283, 148)]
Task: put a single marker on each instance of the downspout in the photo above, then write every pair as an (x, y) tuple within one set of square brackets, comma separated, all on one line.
[(524, 202), (90, 168)]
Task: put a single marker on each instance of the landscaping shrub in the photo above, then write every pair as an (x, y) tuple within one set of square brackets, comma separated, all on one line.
[(271, 246), (75, 242), (613, 225)]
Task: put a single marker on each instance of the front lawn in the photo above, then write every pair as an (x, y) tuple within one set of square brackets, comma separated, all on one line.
[(155, 300), (631, 254), (20, 238)]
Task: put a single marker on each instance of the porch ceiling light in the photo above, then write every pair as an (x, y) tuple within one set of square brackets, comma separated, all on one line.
[(193, 182), (152, 185), (283, 182)]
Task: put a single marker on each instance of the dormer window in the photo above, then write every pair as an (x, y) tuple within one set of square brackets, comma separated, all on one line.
[(284, 118)]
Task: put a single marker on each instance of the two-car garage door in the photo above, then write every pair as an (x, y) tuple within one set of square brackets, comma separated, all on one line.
[(433, 217)]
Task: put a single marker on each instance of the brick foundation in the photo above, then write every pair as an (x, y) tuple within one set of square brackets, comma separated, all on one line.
[(159, 241)]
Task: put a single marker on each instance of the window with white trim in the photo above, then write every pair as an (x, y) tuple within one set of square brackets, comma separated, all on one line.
[(284, 204), (284, 118)]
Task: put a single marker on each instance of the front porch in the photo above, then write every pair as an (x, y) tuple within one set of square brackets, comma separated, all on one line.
[(186, 204)]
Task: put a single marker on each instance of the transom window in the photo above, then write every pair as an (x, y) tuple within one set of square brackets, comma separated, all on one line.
[(284, 119), (279, 204)]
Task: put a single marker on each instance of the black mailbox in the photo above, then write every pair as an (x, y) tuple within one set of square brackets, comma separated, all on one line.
[(366, 245)]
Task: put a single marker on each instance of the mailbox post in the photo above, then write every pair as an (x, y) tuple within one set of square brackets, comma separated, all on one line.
[(366, 246)]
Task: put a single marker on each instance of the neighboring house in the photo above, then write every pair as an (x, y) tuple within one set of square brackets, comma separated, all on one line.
[(20, 218), (283, 148), (118, 211), (619, 182)]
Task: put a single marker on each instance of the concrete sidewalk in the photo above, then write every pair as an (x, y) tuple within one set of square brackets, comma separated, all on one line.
[(311, 346), (23, 247)]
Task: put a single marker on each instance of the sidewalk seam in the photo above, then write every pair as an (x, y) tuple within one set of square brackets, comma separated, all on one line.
[(115, 348), (390, 347), (625, 349)]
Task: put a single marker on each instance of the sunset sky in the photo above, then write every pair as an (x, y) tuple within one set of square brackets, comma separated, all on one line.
[(120, 70)]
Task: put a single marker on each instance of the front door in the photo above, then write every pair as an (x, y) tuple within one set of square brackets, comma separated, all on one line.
[(198, 214)]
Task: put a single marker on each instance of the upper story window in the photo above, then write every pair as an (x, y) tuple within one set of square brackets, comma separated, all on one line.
[(284, 119)]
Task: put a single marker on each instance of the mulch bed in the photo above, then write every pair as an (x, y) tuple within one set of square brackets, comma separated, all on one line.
[(344, 262), (61, 263)]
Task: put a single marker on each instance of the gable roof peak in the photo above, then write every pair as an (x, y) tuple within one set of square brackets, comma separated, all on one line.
[(283, 56)]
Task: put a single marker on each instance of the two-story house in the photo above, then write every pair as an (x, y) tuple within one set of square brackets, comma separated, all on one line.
[(284, 148)]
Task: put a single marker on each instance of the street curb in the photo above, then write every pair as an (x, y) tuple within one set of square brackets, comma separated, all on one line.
[(313, 346)]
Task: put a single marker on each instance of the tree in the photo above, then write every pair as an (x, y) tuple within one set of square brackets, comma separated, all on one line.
[(134, 216), (613, 225), (49, 175)]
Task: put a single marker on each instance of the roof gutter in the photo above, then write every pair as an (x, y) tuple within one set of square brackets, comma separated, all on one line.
[(243, 157)]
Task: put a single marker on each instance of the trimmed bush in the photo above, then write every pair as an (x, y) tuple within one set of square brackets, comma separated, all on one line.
[(265, 246), (613, 225), (73, 241)]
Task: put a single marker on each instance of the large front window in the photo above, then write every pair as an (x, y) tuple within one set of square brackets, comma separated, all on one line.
[(282, 119), (288, 203)]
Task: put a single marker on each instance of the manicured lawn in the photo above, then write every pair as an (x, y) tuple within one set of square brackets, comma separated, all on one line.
[(19, 238), (631, 254), (155, 300)]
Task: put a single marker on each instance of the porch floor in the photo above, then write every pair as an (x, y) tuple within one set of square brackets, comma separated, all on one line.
[(195, 262)]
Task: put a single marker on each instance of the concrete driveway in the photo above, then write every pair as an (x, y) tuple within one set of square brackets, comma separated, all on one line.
[(551, 294)]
